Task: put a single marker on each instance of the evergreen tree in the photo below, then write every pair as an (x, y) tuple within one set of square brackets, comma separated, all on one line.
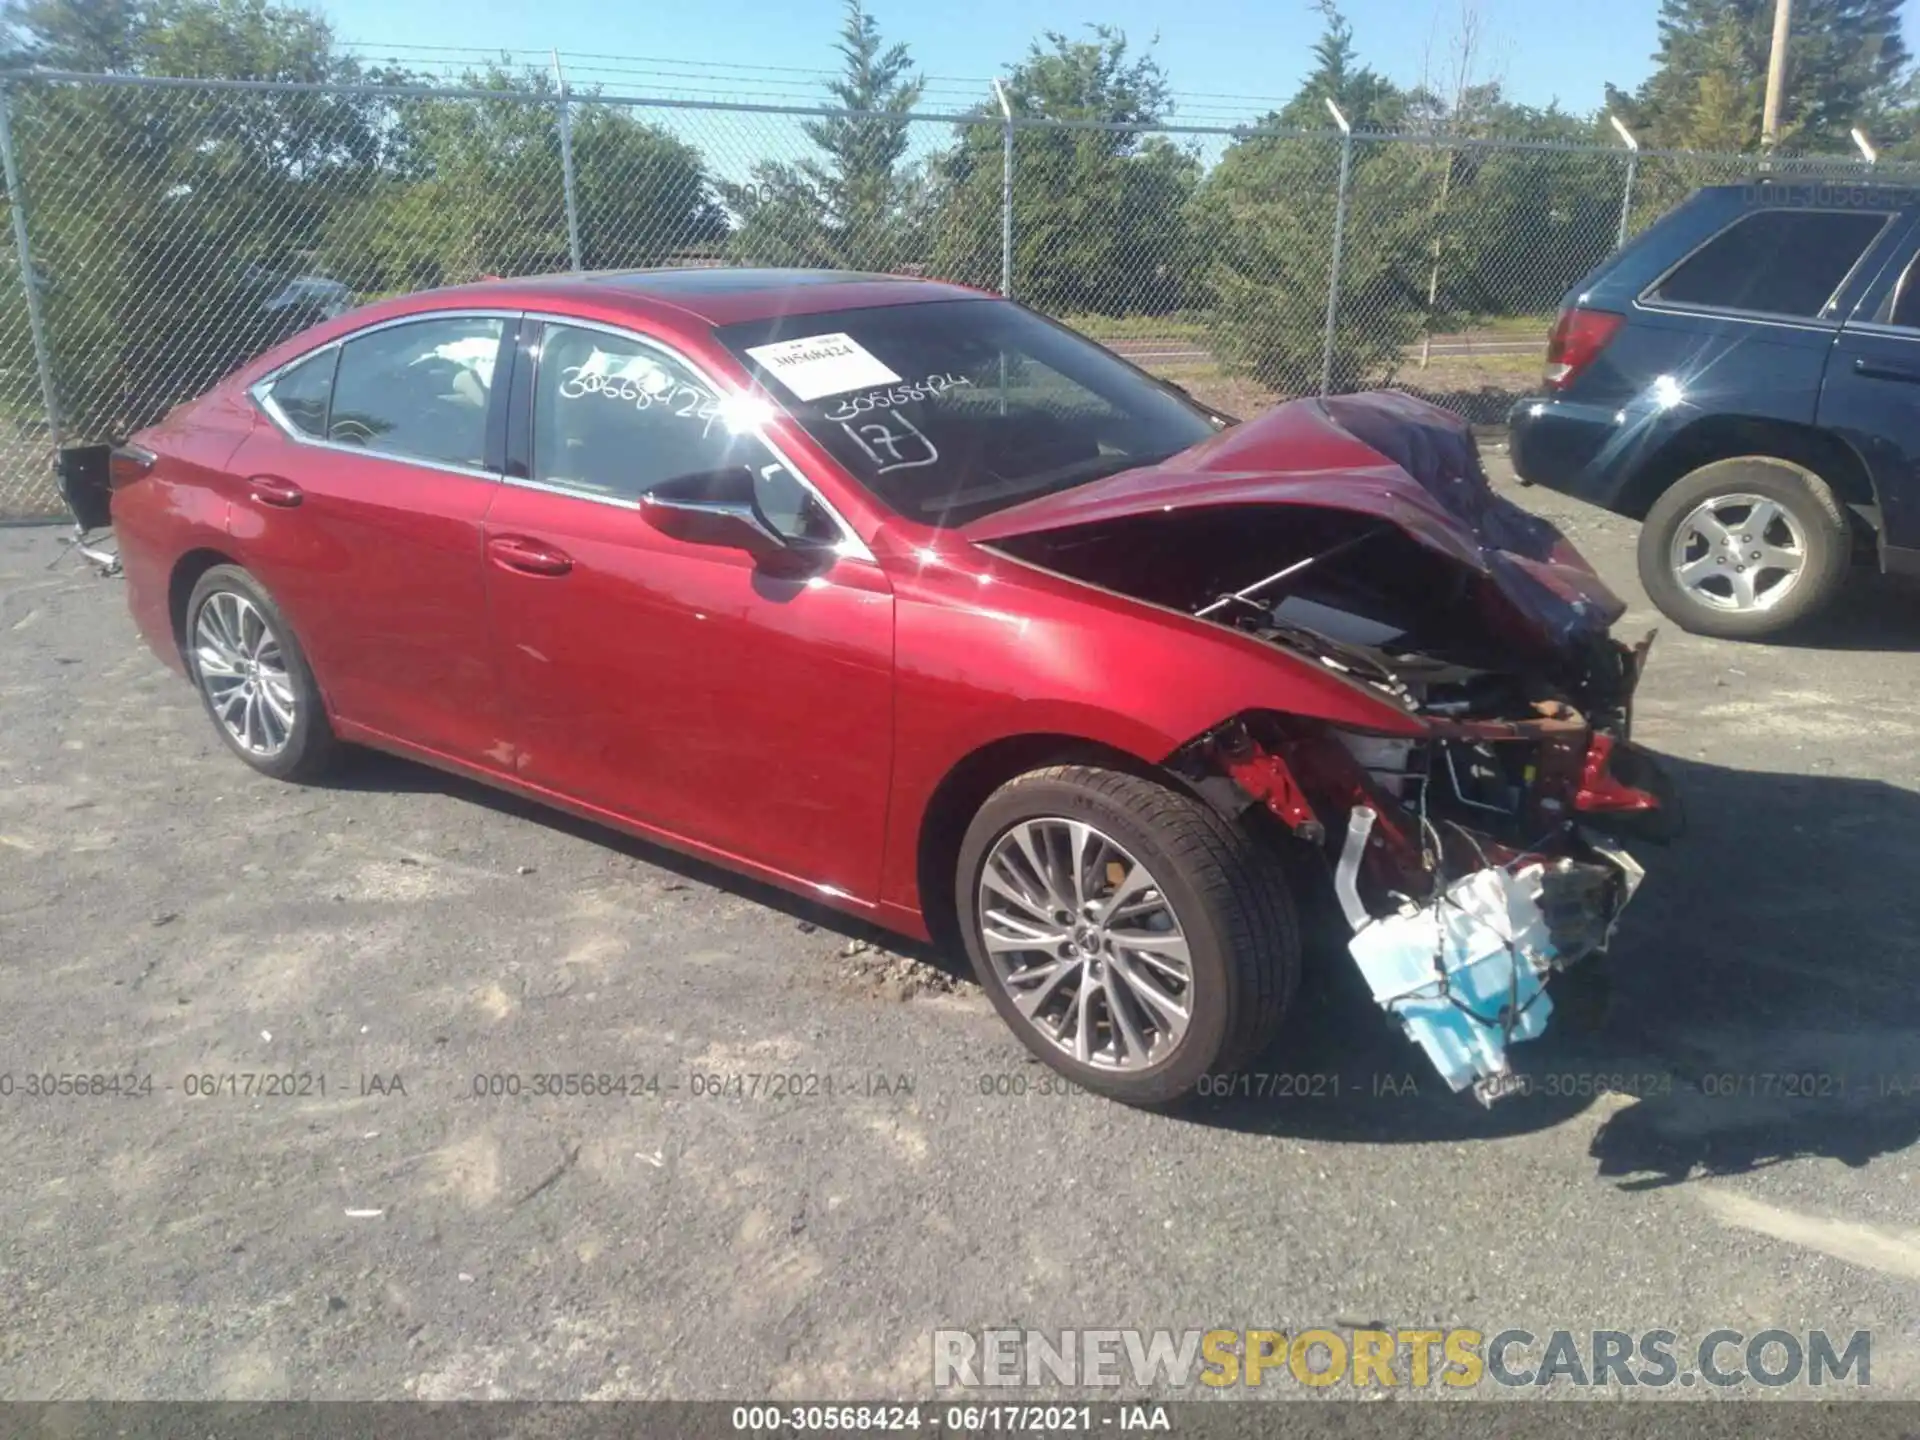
[(1098, 222), (1844, 60), (856, 207)]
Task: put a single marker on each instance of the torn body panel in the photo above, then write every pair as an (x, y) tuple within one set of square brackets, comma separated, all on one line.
[(1472, 860)]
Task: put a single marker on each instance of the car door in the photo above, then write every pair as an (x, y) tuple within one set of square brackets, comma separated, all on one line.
[(1871, 398), (738, 701), (361, 509)]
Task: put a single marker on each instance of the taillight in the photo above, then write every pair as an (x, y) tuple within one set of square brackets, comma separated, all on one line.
[(129, 463), (1578, 336)]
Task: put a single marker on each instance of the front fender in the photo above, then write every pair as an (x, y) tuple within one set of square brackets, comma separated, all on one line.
[(988, 649)]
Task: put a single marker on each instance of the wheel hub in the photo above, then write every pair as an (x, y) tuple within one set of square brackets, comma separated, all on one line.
[(1085, 943), (1738, 552), (242, 670)]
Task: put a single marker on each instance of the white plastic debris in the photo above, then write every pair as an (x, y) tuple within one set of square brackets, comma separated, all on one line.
[(1465, 974), (365, 1214)]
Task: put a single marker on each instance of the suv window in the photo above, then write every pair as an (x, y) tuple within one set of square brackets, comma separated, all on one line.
[(1903, 309), (301, 394), (616, 416), (418, 390), (1776, 262)]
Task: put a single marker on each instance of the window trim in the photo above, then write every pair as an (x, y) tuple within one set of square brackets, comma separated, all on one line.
[(1889, 306), (1649, 298), (849, 546), (263, 397), (260, 392)]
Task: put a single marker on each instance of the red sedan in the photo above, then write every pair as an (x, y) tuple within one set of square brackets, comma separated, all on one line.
[(909, 600)]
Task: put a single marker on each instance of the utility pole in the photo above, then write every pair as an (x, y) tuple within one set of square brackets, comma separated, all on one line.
[(1776, 74)]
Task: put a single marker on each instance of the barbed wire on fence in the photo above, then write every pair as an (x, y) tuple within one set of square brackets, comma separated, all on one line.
[(163, 230)]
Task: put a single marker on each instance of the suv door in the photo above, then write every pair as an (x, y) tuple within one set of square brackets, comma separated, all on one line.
[(1871, 398), (361, 508), (741, 703)]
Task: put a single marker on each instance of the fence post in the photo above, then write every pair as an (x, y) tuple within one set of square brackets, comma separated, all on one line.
[(1006, 191), (1339, 244), (1633, 163), (36, 322), (566, 168)]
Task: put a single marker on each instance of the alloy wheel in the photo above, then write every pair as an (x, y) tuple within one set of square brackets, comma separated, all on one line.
[(1738, 552), (243, 671), (1086, 944)]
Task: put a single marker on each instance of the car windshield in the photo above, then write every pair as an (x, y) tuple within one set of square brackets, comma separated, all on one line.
[(952, 409)]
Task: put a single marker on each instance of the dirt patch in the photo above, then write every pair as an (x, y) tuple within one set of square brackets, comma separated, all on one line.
[(863, 968)]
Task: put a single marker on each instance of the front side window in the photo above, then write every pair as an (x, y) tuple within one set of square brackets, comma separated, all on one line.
[(302, 393), (1774, 262), (418, 391), (953, 409), (615, 416)]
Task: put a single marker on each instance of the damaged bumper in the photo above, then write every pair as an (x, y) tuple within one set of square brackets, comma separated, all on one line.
[(1466, 974), (1473, 865)]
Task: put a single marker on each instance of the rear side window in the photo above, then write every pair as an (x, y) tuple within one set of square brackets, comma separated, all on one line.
[(1776, 262), (418, 391), (302, 393)]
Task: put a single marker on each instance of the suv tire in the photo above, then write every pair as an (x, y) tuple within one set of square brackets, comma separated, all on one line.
[(1713, 570)]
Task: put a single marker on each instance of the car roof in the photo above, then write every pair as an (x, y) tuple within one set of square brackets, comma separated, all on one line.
[(715, 295)]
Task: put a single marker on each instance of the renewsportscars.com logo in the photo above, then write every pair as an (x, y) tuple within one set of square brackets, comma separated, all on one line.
[(1368, 1359)]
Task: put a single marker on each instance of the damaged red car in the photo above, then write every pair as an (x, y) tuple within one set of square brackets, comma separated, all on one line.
[(914, 602)]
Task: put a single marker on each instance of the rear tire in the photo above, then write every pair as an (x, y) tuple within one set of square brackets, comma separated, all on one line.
[(1711, 570), (254, 679), (1206, 890)]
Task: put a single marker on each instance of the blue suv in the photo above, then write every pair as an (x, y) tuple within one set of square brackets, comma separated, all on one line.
[(1744, 378)]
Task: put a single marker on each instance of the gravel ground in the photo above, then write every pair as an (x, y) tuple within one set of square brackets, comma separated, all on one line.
[(164, 913)]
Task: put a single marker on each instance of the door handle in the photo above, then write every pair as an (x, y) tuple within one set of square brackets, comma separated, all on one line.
[(272, 490), (1886, 369), (528, 557)]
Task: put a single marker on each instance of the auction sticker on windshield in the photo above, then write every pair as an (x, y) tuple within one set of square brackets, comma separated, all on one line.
[(822, 365)]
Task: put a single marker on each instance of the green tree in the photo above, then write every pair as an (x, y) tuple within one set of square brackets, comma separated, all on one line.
[(1265, 218), (1845, 60), (166, 224), (476, 187), (859, 206), (1098, 207), (1368, 99)]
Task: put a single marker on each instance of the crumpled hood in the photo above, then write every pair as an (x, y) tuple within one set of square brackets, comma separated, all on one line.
[(1382, 454)]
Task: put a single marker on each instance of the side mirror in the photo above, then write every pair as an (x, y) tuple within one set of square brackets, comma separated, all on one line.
[(712, 507)]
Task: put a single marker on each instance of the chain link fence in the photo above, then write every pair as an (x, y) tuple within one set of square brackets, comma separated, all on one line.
[(159, 231)]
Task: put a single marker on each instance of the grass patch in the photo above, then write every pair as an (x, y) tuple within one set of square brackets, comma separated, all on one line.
[(1137, 327), (1505, 327)]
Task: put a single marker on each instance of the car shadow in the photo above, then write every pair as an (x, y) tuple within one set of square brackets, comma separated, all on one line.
[(1760, 1004), (1873, 612), (378, 771), (1762, 1007)]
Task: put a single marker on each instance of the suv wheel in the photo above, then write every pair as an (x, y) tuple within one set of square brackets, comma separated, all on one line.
[(1743, 548), (1133, 938)]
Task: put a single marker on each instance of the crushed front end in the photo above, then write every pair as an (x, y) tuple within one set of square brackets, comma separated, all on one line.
[(1474, 864), (1481, 859), (1476, 851)]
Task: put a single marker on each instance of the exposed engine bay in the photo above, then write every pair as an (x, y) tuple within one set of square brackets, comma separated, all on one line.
[(1478, 859)]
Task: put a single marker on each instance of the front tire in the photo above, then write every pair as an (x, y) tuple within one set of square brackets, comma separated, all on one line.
[(1133, 938), (254, 679), (1745, 548)]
